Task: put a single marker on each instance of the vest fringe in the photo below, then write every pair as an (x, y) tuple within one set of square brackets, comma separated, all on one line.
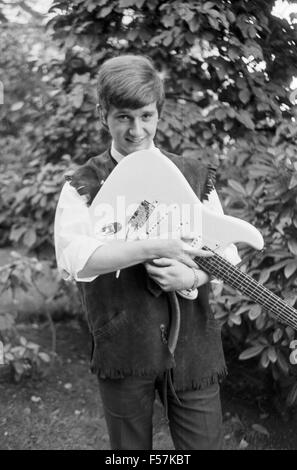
[(122, 373), (210, 182), (217, 376), (203, 383)]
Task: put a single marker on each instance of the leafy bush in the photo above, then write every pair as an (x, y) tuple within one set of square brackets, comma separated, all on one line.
[(25, 357), (29, 198), (260, 185)]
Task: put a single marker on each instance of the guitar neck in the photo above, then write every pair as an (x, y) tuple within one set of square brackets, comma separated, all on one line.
[(224, 270)]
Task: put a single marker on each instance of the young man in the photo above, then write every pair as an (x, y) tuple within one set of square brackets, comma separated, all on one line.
[(129, 316)]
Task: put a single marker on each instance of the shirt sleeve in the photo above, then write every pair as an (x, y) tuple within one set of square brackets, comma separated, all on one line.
[(213, 203), (74, 243)]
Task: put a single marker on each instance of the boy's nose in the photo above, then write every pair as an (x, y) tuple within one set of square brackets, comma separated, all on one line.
[(136, 128)]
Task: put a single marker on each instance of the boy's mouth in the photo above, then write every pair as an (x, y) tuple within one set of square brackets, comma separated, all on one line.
[(135, 141)]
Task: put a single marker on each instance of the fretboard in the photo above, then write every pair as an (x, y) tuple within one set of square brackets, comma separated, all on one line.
[(223, 269)]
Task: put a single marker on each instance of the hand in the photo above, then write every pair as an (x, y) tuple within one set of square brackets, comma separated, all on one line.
[(171, 275), (180, 250)]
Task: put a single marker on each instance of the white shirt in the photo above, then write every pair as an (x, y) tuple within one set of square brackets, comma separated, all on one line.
[(74, 242)]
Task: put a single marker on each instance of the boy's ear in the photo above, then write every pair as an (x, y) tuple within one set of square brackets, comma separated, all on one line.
[(102, 116)]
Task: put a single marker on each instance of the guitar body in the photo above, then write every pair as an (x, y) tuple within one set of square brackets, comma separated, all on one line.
[(151, 176)]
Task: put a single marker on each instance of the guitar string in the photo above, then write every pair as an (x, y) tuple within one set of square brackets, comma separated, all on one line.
[(287, 314), (270, 300), (246, 289)]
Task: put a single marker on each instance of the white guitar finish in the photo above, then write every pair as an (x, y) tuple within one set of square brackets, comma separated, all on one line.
[(150, 175)]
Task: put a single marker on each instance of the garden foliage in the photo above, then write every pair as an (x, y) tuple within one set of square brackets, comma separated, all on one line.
[(227, 67)]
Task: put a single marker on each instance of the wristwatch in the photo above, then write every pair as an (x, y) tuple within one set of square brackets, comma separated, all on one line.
[(196, 278), (192, 292)]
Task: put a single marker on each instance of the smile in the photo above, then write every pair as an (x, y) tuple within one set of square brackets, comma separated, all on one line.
[(134, 141)]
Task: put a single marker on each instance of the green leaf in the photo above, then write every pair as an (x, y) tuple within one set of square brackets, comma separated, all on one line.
[(168, 21), (30, 237), (272, 354), (260, 322), (16, 233), (214, 23), (230, 16), (77, 95), (105, 11), (220, 114), (17, 106), (32, 346), (293, 181), (290, 332), (131, 3), (292, 244), (194, 24), (244, 95), (245, 118), (167, 40), (277, 334), (235, 319), (282, 363), (45, 357), (292, 395), (251, 352), (254, 50), (260, 429), (290, 268), (23, 341), (264, 360), (208, 5), (237, 186), (254, 312)]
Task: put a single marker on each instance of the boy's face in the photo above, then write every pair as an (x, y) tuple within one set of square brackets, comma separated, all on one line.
[(132, 129)]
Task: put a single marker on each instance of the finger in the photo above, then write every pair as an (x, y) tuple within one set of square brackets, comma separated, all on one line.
[(187, 235), (156, 278), (198, 252), (153, 271), (147, 264), (191, 240), (162, 262), (188, 261)]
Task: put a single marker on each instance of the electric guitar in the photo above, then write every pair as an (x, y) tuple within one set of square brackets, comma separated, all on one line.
[(146, 195)]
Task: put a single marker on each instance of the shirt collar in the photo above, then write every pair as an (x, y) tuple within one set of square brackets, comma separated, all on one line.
[(117, 156)]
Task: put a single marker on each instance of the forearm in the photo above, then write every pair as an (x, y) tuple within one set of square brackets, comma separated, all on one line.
[(119, 255)]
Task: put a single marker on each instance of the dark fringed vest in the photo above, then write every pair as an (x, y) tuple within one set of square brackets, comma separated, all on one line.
[(129, 316)]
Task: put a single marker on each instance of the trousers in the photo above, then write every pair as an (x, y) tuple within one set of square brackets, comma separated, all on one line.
[(195, 419)]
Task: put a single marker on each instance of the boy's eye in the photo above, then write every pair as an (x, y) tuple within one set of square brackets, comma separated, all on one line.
[(123, 117), (147, 116)]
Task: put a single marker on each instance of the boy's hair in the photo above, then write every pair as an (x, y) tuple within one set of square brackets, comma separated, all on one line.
[(129, 81)]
